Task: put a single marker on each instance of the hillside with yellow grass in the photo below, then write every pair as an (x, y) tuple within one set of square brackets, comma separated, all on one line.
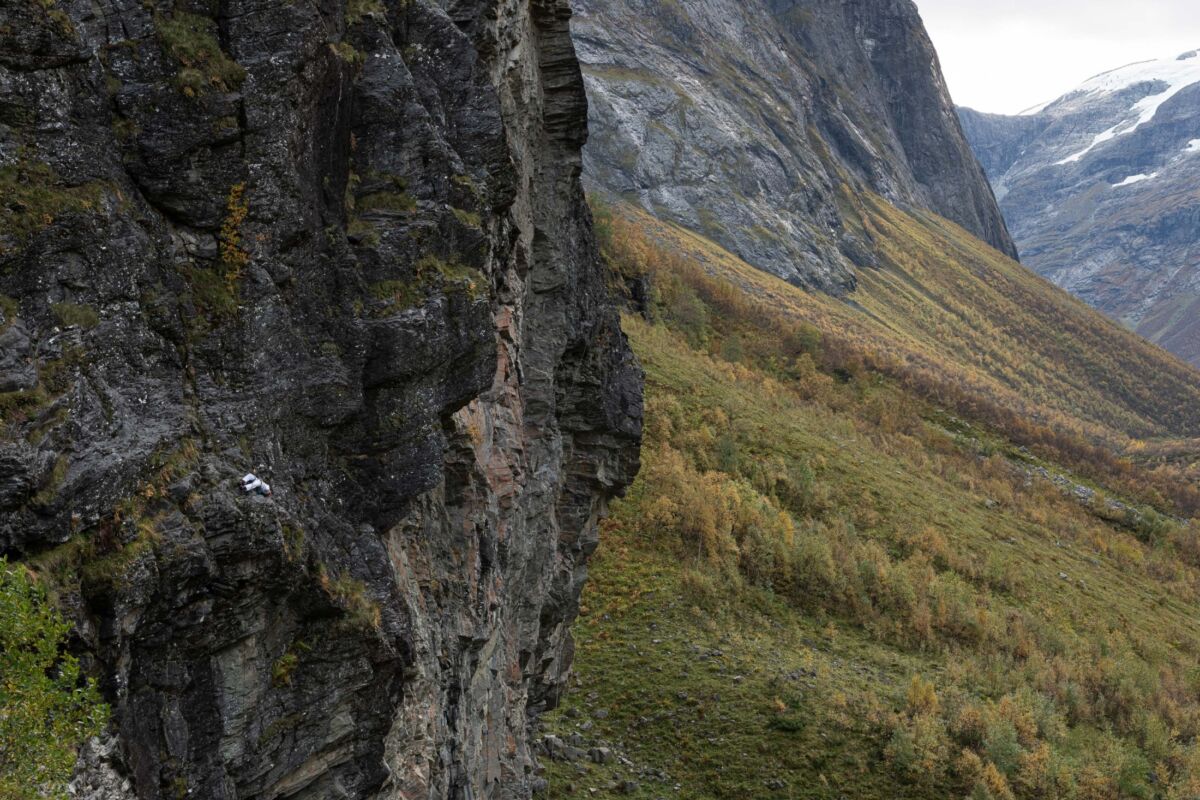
[(913, 543)]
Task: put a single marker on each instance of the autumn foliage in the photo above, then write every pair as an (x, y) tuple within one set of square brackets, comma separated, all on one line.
[(739, 368)]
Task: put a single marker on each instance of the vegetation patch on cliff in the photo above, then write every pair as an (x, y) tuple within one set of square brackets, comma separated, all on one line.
[(49, 707), (32, 197), (430, 272), (191, 40)]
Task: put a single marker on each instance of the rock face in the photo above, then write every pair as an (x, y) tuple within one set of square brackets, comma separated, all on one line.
[(1100, 190), (343, 246), (745, 121)]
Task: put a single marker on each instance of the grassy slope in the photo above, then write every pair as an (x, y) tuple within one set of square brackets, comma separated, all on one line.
[(1060, 647), (1175, 323), (944, 302)]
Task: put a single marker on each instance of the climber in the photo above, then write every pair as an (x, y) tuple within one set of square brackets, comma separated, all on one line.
[(252, 483)]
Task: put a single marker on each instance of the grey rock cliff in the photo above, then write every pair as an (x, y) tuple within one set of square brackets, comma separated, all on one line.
[(1099, 190), (744, 120), (343, 246)]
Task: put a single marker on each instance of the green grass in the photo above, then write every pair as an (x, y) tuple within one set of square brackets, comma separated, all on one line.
[(429, 273), (346, 52), (33, 196), (76, 315), (468, 218), (11, 309), (351, 596), (99, 561), (766, 693), (397, 294), (357, 10), (959, 324), (386, 202), (213, 294), (191, 40), (370, 209), (47, 493)]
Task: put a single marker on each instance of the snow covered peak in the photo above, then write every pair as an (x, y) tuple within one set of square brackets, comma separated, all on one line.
[(1177, 72)]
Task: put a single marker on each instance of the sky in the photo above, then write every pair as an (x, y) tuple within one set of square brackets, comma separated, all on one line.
[(1003, 56)]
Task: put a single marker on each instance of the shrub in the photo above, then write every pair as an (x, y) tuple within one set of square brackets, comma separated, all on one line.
[(46, 706), (282, 669), (233, 256), (919, 747), (351, 596), (921, 697), (192, 41), (1001, 747)]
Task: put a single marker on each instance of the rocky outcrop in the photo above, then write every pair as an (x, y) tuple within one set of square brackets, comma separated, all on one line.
[(342, 245), (747, 121), (1099, 190)]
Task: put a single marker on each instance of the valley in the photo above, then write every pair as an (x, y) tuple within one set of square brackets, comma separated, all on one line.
[(823, 584)]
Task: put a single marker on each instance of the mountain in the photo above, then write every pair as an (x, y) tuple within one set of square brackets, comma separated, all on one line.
[(923, 533), (342, 246), (747, 121), (1099, 188)]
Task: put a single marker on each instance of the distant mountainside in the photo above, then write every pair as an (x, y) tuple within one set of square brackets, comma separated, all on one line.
[(1101, 189), (748, 122)]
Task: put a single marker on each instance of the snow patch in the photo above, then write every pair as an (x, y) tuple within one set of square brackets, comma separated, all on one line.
[(1132, 179), (1175, 73), (1039, 108), (1100, 139)]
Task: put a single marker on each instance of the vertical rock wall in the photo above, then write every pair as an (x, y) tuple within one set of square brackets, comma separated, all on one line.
[(342, 245), (753, 122)]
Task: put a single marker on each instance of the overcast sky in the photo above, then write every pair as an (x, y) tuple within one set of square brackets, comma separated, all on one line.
[(1004, 56)]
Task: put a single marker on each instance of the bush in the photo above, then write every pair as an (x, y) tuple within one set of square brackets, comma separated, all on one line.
[(46, 706), (919, 747), (351, 596)]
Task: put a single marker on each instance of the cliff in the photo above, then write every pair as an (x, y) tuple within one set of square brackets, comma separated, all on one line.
[(1099, 187), (344, 247), (747, 122)]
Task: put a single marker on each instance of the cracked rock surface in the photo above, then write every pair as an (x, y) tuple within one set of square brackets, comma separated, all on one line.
[(343, 246)]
